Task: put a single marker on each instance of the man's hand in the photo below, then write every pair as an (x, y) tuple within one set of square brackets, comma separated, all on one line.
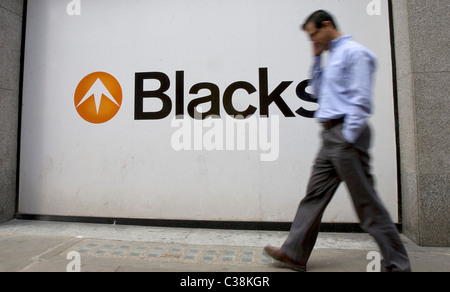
[(317, 51)]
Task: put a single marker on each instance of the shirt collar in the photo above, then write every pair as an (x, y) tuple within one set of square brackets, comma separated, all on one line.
[(337, 42)]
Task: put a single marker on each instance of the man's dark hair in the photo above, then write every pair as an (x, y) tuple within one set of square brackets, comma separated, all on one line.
[(318, 17)]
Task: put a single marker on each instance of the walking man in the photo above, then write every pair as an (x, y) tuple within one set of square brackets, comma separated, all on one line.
[(344, 88)]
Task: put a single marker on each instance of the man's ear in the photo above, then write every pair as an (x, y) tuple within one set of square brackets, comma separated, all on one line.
[(327, 24)]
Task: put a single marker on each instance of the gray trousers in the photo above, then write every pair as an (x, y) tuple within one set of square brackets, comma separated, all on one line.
[(340, 161)]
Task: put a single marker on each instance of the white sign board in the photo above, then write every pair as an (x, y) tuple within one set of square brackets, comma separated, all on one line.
[(115, 93)]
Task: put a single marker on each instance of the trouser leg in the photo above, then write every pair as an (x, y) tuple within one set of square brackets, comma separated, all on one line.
[(352, 166), (305, 227)]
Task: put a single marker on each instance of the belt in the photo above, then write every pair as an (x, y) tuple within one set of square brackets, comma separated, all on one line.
[(332, 123)]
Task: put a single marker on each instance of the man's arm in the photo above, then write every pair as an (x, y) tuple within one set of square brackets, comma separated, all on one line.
[(316, 78), (362, 66)]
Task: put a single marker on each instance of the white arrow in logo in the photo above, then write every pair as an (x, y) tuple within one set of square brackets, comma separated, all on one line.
[(98, 89)]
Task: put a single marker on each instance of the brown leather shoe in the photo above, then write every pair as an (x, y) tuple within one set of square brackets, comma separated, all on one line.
[(278, 255)]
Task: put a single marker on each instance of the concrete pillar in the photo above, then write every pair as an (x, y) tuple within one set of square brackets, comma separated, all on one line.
[(422, 41), (10, 53)]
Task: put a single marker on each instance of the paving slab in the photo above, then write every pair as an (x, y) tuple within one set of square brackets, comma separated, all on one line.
[(36, 246)]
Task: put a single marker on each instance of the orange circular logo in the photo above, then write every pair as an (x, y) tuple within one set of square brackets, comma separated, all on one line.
[(98, 97)]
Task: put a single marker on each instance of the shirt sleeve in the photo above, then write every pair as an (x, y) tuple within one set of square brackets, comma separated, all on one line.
[(361, 70), (316, 78)]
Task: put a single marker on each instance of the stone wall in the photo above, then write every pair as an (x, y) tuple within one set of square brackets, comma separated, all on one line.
[(10, 53), (422, 41)]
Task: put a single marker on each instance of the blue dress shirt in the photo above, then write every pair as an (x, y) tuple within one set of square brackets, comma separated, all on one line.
[(345, 86)]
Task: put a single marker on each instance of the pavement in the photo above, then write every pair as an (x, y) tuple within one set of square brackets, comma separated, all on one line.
[(41, 246)]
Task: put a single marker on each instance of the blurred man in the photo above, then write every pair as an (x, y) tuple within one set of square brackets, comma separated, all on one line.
[(344, 89)]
